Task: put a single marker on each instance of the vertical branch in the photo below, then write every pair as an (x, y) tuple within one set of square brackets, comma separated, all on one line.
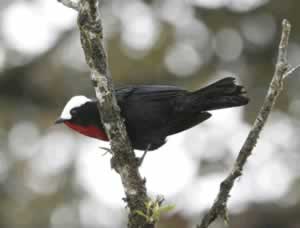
[(219, 208), (123, 159)]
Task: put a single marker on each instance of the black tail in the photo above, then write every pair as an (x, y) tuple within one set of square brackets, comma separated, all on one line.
[(221, 94)]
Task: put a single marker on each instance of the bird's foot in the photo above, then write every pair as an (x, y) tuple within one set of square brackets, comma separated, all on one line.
[(107, 150), (141, 159)]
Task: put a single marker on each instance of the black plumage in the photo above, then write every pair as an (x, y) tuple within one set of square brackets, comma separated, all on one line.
[(152, 113)]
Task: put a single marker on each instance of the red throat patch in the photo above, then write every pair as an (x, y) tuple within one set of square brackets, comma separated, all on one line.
[(90, 131)]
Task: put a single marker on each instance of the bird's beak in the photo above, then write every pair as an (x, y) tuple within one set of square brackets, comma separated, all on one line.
[(59, 120)]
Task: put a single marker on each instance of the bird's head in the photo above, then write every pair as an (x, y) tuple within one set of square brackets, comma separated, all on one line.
[(72, 108)]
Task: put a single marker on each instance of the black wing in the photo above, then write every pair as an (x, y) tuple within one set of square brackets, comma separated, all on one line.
[(147, 111), (149, 92)]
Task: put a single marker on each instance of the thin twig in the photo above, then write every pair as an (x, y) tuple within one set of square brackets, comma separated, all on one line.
[(123, 160), (282, 70), (291, 71), (73, 4)]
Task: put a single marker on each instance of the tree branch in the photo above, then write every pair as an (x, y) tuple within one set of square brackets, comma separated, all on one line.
[(123, 160), (282, 70), (73, 4)]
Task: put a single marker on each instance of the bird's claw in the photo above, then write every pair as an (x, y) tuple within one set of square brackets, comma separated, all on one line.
[(141, 159), (107, 150)]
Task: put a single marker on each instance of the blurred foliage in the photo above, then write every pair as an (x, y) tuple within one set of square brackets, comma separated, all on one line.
[(185, 43)]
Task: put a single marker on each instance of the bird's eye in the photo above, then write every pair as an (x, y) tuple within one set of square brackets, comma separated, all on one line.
[(73, 112)]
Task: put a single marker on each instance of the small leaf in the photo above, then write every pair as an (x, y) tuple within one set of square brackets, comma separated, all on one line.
[(141, 214), (167, 208)]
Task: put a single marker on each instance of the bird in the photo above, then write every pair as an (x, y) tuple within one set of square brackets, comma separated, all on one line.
[(154, 112)]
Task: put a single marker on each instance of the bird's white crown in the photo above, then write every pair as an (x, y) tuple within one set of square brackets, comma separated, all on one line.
[(74, 102)]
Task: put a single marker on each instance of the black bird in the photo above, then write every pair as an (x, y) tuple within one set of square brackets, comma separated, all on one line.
[(154, 112)]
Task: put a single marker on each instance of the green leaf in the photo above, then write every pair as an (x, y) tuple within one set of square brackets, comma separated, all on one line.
[(141, 214), (167, 208)]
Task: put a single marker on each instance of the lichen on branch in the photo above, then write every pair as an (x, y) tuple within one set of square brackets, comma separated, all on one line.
[(123, 160)]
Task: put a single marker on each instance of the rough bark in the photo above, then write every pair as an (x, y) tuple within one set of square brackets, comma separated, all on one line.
[(123, 161)]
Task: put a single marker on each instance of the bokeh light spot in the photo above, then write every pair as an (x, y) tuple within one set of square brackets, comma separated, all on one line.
[(23, 139), (229, 44), (183, 60)]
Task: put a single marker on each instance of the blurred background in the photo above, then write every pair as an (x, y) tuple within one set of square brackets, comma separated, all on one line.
[(52, 177)]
